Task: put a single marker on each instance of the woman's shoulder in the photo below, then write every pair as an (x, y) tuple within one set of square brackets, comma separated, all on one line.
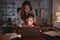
[(32, 11)]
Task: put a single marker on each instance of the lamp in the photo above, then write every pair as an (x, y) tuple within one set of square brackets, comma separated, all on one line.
[(57, 16), (57, 13)]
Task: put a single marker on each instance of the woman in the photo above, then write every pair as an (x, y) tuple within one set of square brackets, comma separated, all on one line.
[(25, 10)]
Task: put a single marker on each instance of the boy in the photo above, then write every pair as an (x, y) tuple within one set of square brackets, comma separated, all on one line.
[(30, 20)]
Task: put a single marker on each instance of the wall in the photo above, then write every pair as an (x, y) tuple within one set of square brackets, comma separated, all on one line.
[(44, 4), (56, 7), (19, 3)]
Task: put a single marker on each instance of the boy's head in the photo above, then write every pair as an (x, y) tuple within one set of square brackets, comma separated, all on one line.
[(30, 19)]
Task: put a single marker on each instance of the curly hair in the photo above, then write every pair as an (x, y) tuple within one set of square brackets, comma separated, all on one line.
[(24, 4)]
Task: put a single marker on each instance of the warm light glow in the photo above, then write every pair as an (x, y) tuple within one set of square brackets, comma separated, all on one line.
[(57, 21), (57, 17), (57, 13)]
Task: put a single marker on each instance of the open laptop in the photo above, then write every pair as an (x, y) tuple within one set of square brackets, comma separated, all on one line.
[(30, 31)]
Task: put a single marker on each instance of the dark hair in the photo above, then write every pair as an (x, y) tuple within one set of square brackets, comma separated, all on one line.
[(29, 15), (24, 4)]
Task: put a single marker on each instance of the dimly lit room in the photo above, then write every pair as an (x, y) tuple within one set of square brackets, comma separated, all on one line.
[(29, 19)]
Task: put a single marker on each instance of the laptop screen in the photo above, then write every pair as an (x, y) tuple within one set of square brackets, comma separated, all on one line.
[(30, 31)]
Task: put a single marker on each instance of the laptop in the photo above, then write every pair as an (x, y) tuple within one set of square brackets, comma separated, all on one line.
[(30, 31)]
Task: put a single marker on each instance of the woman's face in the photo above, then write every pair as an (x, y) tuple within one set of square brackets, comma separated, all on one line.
[(27, 8)]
